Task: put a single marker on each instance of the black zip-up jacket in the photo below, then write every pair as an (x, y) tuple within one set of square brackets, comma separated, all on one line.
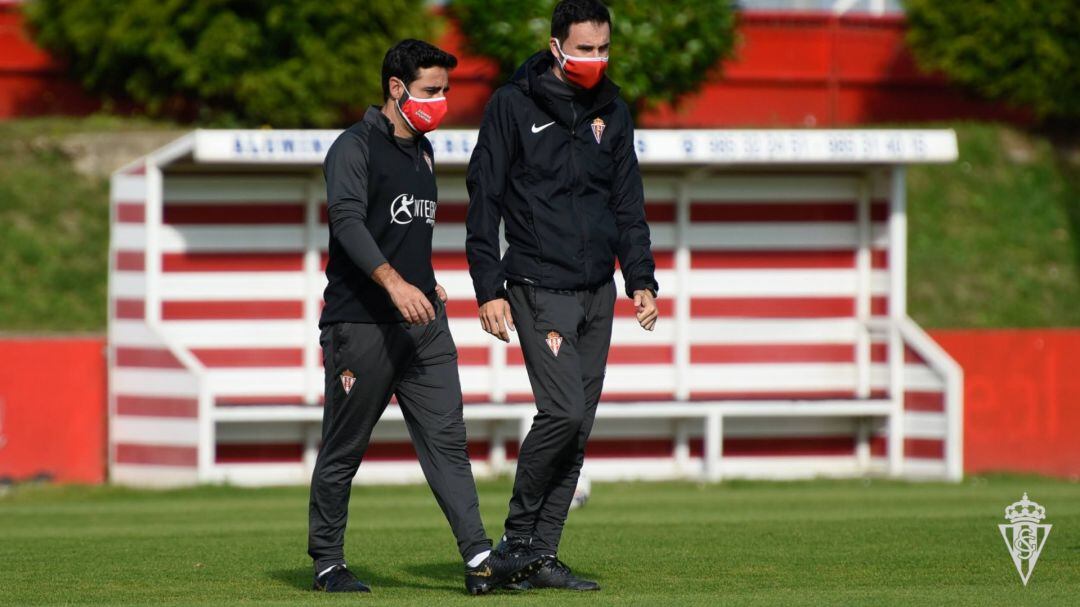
[(381, 199), (562, 174)]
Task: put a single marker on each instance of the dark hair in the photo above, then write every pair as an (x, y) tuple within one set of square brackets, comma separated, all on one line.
[(404, 60), (569, 12)]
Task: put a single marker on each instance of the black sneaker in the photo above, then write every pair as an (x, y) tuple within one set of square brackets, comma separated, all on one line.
[(339, 579), (553, 573), (515, 546), (498, 570)]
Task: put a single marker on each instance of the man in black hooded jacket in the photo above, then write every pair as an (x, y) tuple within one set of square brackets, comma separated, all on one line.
[(555, 162)]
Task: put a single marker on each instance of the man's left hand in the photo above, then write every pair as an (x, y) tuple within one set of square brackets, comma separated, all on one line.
[(645, 306), (441, 292)]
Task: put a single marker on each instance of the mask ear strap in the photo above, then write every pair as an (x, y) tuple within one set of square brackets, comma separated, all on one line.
[(562, 55), (402, 111), (405, 89)]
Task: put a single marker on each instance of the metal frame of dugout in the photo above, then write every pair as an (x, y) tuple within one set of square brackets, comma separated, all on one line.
[(783, 350)]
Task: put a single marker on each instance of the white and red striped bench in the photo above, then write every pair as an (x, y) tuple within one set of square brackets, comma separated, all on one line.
[(783, 348)]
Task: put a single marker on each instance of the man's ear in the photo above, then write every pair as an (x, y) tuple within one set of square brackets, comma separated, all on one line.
[(554, 49), (397, 89)]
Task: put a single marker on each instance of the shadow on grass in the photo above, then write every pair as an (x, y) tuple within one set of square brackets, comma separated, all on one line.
[(296, 577), (430, 576), (439, 576), (449, 576)]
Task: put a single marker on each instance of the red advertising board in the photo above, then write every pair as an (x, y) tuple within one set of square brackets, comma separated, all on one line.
[(1021, 403), (52, 409), (1021, 399)]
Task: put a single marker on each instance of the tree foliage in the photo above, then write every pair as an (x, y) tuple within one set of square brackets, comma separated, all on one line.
[(286, 63), (659, 50), (1024, 52)]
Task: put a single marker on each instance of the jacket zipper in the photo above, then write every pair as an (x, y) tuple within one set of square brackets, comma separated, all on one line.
[(573, 197)]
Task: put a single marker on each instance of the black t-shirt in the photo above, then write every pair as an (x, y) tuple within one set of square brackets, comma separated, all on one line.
[(381, 197)]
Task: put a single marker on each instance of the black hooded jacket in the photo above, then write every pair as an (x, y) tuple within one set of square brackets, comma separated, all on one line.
[(562, 174)]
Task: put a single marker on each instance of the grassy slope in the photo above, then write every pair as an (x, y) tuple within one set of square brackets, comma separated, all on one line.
[(812, 543), (54, 228), (995, 238), (991, 240)]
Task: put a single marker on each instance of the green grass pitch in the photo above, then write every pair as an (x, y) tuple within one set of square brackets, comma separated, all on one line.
[(734, 543)]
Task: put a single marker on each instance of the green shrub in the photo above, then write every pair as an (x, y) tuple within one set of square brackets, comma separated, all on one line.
[(1024, 52), (287, 63), (659, 50)]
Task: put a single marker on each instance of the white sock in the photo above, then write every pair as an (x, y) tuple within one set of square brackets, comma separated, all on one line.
[(476, 560), (327, 570)]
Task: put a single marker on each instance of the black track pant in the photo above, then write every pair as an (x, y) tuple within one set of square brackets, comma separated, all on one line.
[(419, 366), (565, 337)]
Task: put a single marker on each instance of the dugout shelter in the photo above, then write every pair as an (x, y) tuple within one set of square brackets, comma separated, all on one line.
[(783, 348)]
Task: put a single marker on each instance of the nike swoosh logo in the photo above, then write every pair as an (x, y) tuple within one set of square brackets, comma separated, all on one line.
[(537, 129)]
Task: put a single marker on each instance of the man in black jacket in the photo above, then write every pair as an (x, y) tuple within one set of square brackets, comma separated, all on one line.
[(555, 162), (384, 327)]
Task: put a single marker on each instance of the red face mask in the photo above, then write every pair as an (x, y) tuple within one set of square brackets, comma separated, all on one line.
[(422, 115), (585, 72)]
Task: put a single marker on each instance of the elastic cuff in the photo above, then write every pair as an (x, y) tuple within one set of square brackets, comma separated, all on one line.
[(368, 266), (482, 297), (638, 285)]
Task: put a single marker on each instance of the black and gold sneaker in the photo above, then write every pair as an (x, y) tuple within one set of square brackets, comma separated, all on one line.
[(339, 579), (498, 570)]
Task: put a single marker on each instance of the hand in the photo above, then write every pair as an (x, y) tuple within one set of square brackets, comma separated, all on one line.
[(495, 317), (410, 301), (441, 292), (645, 306)]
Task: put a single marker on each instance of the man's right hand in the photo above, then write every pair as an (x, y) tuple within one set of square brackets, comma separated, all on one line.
[(495, 317), (410, 301)]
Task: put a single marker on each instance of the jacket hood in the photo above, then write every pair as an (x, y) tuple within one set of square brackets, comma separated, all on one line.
[(526, 74)]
